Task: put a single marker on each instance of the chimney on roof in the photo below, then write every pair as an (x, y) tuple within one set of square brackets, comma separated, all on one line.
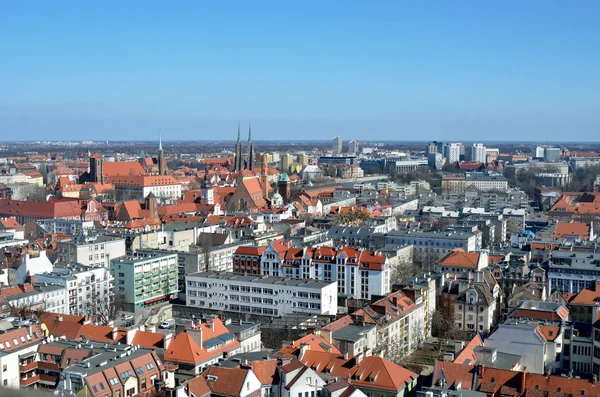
[(480, 371), (115, 333), (304, 347), (167, 340)]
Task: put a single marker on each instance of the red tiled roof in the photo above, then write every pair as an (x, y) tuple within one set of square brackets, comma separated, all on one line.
[(468, 353), (122, 168), (225, 381), (314, 342)]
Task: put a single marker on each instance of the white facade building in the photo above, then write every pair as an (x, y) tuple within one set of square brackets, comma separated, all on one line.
[(475, 152), (452, 152), (358, 273), (266, 296), (89, 289), (91, 250), (33, 263), (337, 144)]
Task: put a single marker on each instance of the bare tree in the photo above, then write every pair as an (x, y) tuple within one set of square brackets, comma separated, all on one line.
[(205, 242), (403, 271), (443, 327), (393, 349)]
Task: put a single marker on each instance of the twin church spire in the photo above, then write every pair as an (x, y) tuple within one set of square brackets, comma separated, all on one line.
[(243, 161)]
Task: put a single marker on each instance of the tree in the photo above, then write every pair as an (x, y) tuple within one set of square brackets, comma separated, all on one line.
[(403, 271), (205, 242), (442, 327), (393, 349)]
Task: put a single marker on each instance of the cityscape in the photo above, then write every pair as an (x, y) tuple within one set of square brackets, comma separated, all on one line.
[(355, 236)]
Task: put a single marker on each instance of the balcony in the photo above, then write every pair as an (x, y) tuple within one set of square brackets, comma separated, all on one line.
[(41, 365), (26, 382)]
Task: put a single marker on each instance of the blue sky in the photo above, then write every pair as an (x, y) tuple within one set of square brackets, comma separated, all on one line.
[(389, 70)]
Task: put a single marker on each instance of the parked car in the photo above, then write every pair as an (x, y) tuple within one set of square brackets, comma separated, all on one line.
[(167, 323)]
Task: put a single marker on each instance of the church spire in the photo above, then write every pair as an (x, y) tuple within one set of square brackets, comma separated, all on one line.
[(239, 139), (249, 133), (160, 141)]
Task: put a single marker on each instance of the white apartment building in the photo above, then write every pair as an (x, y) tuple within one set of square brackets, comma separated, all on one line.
[(95, 250), (265, 296), (359, 273), (538, 349), (452, 152), (65, 226), (475, 152), (53, 298), (434, 244), (34, 262), (89, 289), (337, 144)]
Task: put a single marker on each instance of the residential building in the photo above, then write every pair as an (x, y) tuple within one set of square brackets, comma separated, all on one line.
[(114, 370), (90, 290), (570, 271), (65, 226), (454, 380), (351, 337), (540, 346), (392, 380), (475, 152), (431, 246), (452, 152), (247, 333), (90, 250), (196, 348), (260, 295), (19, 343), (353, 147), (337, 145), (146, 281), (29, 296), (358, 273), (400, 320)]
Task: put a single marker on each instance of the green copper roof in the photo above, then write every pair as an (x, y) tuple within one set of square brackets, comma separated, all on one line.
[(284, 177)]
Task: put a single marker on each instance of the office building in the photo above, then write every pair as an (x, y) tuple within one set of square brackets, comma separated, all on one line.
[(552, 154), (260, 295)]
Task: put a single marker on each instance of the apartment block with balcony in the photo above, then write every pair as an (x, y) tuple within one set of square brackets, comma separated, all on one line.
[(19, 341), (89, 289), (146, 281)]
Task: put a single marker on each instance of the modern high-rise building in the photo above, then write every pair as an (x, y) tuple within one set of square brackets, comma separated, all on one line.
[(303, 159), (435, 147), (353, 147), (286, 160), (475, 152), (337, 144), (537, 152), (551, 154), (452, 152)]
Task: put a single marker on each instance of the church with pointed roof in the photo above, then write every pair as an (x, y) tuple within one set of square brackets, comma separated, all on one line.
[(244, 161)]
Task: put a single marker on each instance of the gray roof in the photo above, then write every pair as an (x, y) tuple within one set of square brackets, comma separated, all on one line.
[(433, 235), (105, 355), (352, 332), (268, 280)]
